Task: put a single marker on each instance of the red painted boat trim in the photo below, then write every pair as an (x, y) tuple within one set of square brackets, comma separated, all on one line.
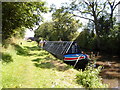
[(70, 58), (73, 58)]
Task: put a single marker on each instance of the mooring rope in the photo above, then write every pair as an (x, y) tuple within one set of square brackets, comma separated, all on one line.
[(77, 60)]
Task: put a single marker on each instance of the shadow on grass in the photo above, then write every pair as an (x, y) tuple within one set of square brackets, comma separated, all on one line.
[(48, 63), (43, 53), (6, 57), (37, 60), (20, 50), (34, 48)]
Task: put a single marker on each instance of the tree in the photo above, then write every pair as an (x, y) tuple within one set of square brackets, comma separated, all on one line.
[(90, 10), (114, 40), (86, 40), (19, 32), (63, 27), (45, 31), (20, 14), (112, 5), (93, 10)]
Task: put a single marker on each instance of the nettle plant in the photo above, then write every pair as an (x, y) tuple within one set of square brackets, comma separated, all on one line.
[(90, 78)]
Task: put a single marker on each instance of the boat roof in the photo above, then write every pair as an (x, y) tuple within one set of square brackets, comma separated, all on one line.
[(58, 48)]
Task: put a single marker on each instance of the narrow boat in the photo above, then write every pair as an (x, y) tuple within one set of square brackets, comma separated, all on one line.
[(68, 51)]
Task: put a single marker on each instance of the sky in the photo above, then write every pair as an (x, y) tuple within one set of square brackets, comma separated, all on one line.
[(29, 33), (57, 3)]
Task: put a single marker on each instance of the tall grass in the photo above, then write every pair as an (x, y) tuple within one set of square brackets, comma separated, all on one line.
[(23, 72)]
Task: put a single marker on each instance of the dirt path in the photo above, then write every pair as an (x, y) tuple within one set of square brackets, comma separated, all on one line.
[(111, 70)]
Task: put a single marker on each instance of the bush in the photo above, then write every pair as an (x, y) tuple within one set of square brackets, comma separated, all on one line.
[(6, 58), (90, 78)]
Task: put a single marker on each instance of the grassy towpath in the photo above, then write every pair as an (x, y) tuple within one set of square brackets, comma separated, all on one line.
[(35, 68)]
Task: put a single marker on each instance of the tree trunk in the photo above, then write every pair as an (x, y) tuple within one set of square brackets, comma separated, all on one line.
[(97, 33)]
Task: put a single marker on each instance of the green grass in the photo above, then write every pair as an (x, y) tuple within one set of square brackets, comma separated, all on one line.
[(35, 68), (0, 74)]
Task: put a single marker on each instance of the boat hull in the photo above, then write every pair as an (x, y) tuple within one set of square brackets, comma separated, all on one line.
[(74, 57), (81, 59)]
